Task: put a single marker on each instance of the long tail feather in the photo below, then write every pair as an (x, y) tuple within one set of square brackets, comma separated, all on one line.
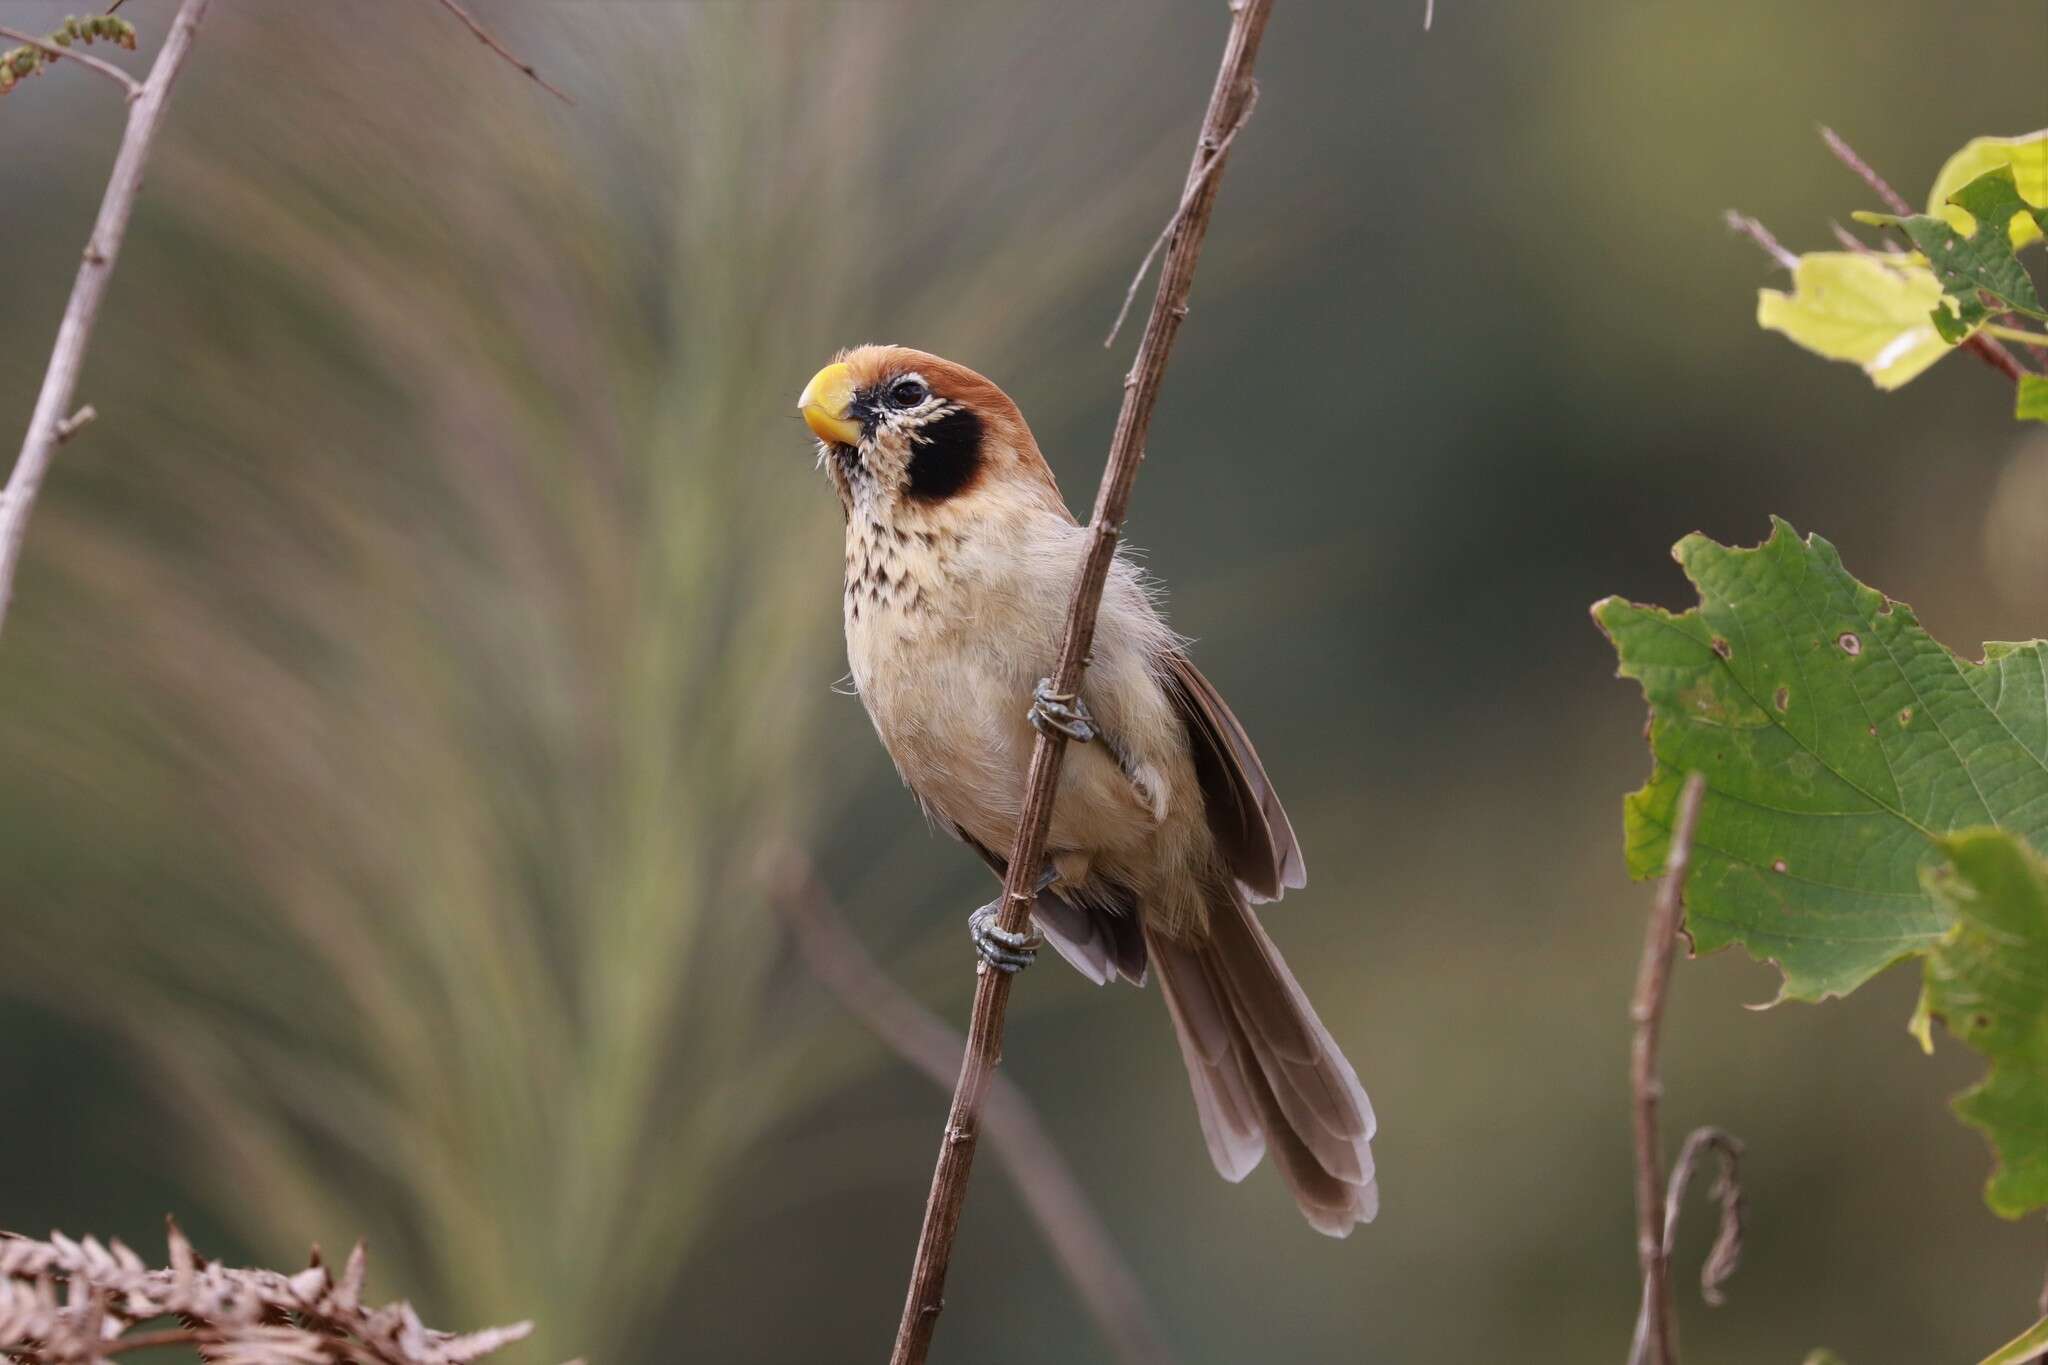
[(1265, 1072)]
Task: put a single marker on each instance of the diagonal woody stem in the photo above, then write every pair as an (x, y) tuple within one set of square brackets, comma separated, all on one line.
[(1233, 91), (67, 358), (1100, 1276)]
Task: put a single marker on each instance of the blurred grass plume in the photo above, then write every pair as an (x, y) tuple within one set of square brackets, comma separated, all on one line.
[(409, 671)]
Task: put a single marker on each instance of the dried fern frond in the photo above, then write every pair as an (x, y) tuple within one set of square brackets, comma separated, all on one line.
[(228, 1316)]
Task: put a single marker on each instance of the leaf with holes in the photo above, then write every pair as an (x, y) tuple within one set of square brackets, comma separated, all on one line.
[(1839, 741), (1980, 266), (2028, 157), (1988, 981)]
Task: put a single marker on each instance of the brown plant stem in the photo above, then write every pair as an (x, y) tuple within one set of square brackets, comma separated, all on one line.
[(1726, 1254), (129, 85), (484, 36), (1073, 1230), (924, 1301), (1646, 1010), (67, 357), (1761, 235), (1985, 348)]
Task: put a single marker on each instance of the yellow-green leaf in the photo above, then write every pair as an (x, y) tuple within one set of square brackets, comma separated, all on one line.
[(2028, 157), (2031, 404), (1861, 308)]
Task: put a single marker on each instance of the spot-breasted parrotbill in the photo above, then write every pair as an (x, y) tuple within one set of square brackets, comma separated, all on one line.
[(960, 558)]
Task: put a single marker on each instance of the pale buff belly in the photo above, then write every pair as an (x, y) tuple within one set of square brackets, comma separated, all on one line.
[(954, 720)]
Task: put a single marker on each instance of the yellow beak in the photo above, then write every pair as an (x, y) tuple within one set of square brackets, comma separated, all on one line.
[(826, 402)]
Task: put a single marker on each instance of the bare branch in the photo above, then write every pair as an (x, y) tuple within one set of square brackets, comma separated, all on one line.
[(1233, 90), (128, 84), (1180, 212), (60, 381), (483, 35), (1646, 1009), (1069, 1223), (1761, 235), (1987, 350)]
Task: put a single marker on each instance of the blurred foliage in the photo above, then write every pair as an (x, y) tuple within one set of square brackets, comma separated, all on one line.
[(2025, 156), (1979, 270), (1895, 313), (1860, 307), (473, 616), (396, 605)]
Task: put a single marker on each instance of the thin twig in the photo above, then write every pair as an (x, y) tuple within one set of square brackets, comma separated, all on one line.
[(1726, 1253), (71, 425), (1646, 1009), (1879, 186), (484, 36), (1180, 212), (1761, 235), (67, 357), (1071, 1227), (1986, 349), (128, 83), (924, 1300)]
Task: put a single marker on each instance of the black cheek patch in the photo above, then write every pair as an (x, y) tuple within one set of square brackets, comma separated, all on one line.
[(945, 457)]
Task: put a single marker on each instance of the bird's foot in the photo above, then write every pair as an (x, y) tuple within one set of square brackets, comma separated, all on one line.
[(996, 946), (1060, 713)]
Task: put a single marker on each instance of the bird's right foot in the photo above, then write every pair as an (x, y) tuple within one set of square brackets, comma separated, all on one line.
[(1060, 713), (996, 946)]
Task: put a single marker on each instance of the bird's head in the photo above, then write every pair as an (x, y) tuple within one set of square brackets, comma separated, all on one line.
[(903, 432)]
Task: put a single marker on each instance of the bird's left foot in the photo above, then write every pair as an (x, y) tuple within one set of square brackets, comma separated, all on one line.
[(1060, 713), (996, 946)]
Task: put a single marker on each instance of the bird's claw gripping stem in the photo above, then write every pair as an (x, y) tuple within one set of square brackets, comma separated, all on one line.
[(996, 946), (1060, 713)]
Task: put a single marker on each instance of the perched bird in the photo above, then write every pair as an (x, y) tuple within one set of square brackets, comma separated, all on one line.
[(960, 556)]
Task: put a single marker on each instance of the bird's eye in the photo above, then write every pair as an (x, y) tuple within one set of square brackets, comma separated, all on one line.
[(908, 393)]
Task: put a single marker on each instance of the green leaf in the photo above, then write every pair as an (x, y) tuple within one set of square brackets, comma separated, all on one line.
[(2021, 1348), (1861, 308), (2028, 157), (1839, 742), (1980, 264), (2032, 404), (1988, 981)]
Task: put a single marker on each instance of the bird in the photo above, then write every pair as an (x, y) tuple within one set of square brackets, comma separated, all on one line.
[(961, 555)]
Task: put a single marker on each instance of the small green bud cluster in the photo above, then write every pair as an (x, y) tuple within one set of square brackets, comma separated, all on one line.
[(17, 62), (95, 27)]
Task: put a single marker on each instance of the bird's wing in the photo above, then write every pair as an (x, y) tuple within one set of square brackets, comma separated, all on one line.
[(1244, 812)]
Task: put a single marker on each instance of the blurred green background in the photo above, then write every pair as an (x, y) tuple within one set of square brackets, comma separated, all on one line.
[(412, 665)]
